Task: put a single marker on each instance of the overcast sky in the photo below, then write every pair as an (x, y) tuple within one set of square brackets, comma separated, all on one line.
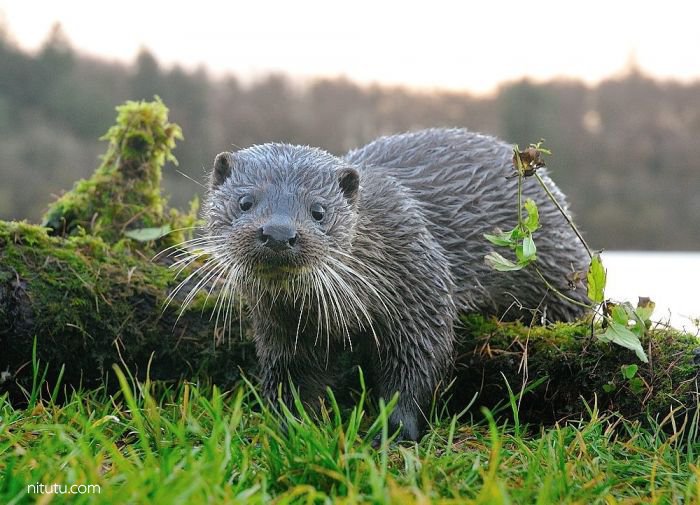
[(430, 44)]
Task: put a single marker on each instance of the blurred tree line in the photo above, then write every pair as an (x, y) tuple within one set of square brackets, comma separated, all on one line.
[(626, 151)]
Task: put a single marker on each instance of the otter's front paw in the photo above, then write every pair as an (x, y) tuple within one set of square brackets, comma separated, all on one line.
[(408, 429), (408, 426)]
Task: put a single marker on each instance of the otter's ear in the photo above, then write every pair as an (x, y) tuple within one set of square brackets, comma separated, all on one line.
[(223, 165), (349, 182)]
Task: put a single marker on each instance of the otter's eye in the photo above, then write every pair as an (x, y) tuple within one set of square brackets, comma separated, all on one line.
[(317, 211), (245, 203)]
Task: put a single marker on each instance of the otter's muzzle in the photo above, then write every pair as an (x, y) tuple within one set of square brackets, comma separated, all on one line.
[(278, 234)]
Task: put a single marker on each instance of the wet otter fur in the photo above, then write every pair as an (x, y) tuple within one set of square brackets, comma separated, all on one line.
[(376, 252)]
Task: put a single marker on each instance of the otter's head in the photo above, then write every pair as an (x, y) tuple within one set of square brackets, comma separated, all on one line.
[(275, 211)]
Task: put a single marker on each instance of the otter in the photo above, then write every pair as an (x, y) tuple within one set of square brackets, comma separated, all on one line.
[(376, 252)]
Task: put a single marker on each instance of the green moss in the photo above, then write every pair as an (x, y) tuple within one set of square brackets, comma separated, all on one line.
[(577, 367), (71, 279), (89, 305), (84, 285), (124, 193)]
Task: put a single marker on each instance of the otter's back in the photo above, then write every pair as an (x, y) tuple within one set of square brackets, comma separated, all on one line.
[(459, 180)]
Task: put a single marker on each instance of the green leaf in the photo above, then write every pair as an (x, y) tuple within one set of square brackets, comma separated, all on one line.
[(148, 234), (498, 262), (502, 239), (519, 254), (620, 314), (609, 387), (523, 260), (529, 249), (645, 308), (516, 234), (629, 371), (636, 385), (596, 280), (638, 328), (622, 336), (532, 222)]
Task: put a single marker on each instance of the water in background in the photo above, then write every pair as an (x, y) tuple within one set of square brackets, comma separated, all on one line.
[(672, 280)]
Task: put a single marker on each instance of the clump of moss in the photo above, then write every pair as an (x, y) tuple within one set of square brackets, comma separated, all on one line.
[(82, 285), (575, 367), (89, 304), (124, 193)]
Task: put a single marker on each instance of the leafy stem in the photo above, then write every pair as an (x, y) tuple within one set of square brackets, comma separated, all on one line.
[(562, 295), (520, 201), (623, 324), (563, 213)]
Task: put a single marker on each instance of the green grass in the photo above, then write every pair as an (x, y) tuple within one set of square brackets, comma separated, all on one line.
[(152, 443)]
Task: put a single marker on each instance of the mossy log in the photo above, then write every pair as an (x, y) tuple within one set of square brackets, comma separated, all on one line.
[(89, 305), (576, 371), (83, 284), (85, 290)]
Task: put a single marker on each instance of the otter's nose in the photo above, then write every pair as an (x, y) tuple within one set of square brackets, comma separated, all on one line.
[(278, 236)]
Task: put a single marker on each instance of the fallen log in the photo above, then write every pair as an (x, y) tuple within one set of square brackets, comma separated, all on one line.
[(89, 305), (575, 370), (84, 288)]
